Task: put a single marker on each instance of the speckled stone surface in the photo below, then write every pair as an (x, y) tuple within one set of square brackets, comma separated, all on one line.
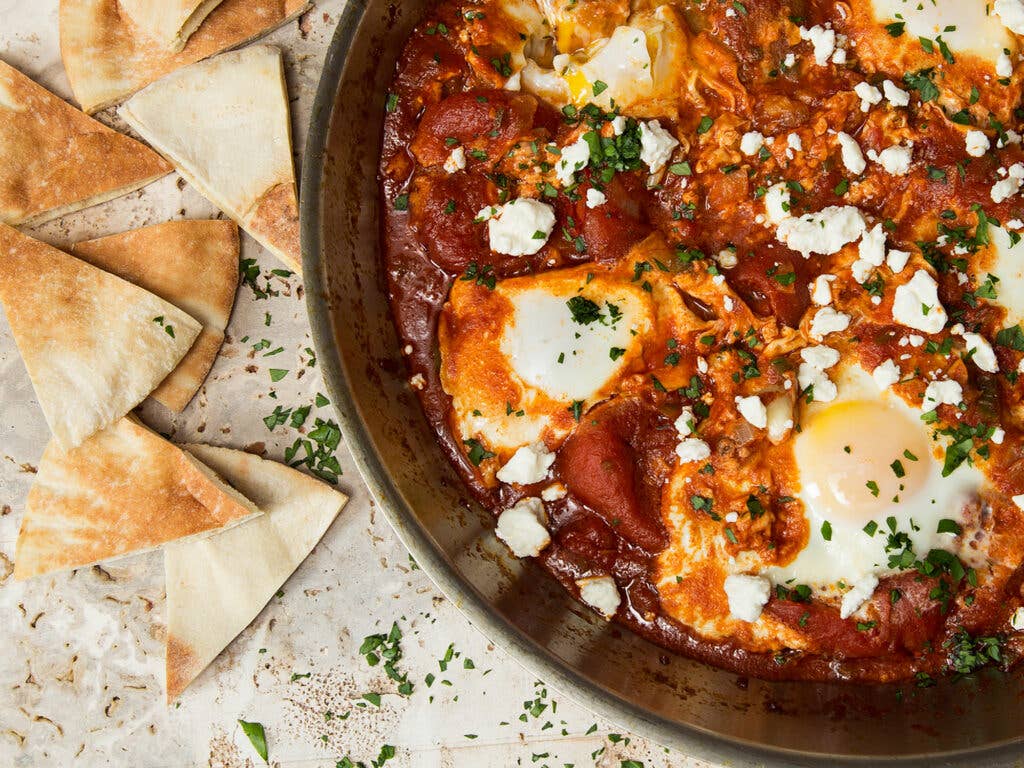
[(81, 659)]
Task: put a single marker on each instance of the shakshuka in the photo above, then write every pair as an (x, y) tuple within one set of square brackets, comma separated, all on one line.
[(716, 306)]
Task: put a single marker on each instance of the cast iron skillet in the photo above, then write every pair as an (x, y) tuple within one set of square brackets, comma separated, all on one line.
[(699, 710)]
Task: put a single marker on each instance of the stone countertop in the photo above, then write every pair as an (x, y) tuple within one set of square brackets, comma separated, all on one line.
[(81, 673)]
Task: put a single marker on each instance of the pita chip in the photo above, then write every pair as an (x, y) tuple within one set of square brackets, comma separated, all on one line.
[(224, 123), (124, 491), (217, 585), (95, 345), (108, 58), (50, 153), (191, 264), (169, 22)]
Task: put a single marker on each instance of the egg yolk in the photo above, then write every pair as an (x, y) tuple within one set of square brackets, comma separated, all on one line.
[(859, 457)]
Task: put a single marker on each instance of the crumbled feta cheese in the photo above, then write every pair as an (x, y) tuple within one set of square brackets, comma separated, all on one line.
[(684, 424), (981, 352), (727, 258), (886, 374), (691, 449), (418, 381), (776, 203), (827, 320), (780, 417), (821, 293), (751, 142), (529, 464), (728, 303), (595, 198), (1011, 14), (753, 410), (456, 161), (747, 596), (656, 145), (514, 83), (868, 94), (859, 593), (1019, 500), (600, 593), (896, 95), (1010, 186), (998, 435), (520, 527), (618, 125), (1017, 619), (839, 57), (574, 158), (520, 227), (793, 142), (917, 306), (789, 61), (897, 260), (942, 392), (823, 40), (702, 365), (1004, 67), (896, 159), (853, 158), (977, 143), (553, 492), (871, 251), (824, 232), (816, 360)]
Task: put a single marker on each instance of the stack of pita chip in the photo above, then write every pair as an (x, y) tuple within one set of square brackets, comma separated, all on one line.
[(49, 153), (225, 125)]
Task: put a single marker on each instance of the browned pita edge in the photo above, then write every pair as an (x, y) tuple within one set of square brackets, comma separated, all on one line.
[(107, 58), (169, 22), (191, 264), (58, 160), (275, 223), (122, 492), (183, 666)]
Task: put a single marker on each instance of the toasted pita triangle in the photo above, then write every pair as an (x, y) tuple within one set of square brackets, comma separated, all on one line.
[(169, 22), (224, 124), (191, 264), (124, 491), (95, 345), (50, 153), (107, 59), (217, 585)]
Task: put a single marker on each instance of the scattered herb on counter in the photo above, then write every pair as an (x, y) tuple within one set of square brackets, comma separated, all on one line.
[(386, 648), (257, 737)]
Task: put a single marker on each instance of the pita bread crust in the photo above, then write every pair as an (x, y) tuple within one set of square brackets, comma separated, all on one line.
[(169, 22), (217, 585), (225, 125), (49, 152), (191, 264), (93, 344), (124, 491), (107, 60)]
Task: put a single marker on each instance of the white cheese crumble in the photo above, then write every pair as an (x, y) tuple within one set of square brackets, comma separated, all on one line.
[(896, 95), (456, 161), (595, 198), (869, 95), (823, 40), (824, 232), (826, 320), (747, 596), (895, 159), (753, 410), (981, 352), (520, 227), (1011, 14), (1019, 500), (794, 142), (520, 527), (656, 145), (943, 392), (816, 360), (853, 158), (776, 203), (917, 306), (684, 424), (977, 143), (553, 492), (600, 593), (886, 374), (821, 292), (1017, 619), (529, 464), (1010, 186), (618, 125), (574, 158), (691, 449), (859, 593), (897, 260), (871, 253), (1004, 67), (751, 142)]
